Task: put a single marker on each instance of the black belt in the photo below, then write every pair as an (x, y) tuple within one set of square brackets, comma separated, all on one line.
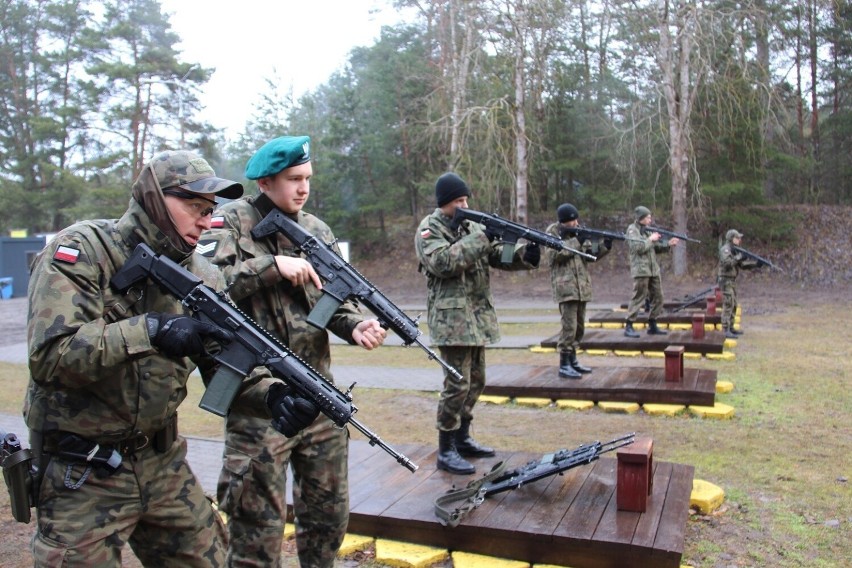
[(162, 440)]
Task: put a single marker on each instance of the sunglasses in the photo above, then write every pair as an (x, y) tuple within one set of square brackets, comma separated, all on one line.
[(196, 207)]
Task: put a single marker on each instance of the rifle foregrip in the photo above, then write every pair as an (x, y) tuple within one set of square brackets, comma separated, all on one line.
[(221, 391), (322, 312)]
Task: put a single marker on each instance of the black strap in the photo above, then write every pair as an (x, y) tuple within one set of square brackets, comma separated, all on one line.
[(473, 495)]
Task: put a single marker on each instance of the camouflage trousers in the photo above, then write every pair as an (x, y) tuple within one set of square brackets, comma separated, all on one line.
[(573, 326), (649, 287), (459, 397), (729, 296), (154, 503), (252, 491)]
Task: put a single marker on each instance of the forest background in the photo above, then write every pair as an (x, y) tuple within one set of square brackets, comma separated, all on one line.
[(715, 114)]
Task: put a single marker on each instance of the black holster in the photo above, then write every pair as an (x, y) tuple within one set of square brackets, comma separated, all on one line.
[(19, 475)]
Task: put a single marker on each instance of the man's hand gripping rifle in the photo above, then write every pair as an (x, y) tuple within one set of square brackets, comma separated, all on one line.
[(758, 259), (499, 480), (509, 232), (343, 282), (251, 347)]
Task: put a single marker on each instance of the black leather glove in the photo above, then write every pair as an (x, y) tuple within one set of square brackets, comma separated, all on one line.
[(290, 414), (491, 234), (607, 243), (532, 254), (182, 336)]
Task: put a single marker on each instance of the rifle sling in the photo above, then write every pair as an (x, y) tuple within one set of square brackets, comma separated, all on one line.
[(473, 495)]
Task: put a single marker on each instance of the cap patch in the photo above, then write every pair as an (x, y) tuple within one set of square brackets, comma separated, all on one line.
[(201, 166), (66, 254), (217, 222), (206, 247)]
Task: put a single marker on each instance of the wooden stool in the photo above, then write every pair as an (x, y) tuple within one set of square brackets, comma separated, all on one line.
[(635, 479), (674, 363), (697, 326), (711, 305)]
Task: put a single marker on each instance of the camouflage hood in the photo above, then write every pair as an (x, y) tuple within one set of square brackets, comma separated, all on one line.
[(149, 195)]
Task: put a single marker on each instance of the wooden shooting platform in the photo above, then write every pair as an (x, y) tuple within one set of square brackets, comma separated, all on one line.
[(610, 384), (614, 340), (570, 519), (681, 317)]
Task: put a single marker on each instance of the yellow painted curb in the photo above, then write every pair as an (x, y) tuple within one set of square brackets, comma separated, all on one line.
[(705, 496), (718, 410), (724, 387), (575, 404), (353, 543), (289, 530), (539, 349), (548, 566), (532, 401), (620, 353), (494, 399), (625, 407), (612, 325), (654, 354), (689, 355), (596, 352), (395, 553), (470, 560), (709, 327), (663, 409), (730, 343), (723, 356), (680, 326), (595, 324)]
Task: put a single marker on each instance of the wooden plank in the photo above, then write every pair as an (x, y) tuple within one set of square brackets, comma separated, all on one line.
[(614, 340), (682, 317), (613, 384)]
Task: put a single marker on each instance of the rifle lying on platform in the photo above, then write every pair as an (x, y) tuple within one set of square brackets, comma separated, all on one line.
[(509, 233), (342, 282), (499, 480), (759, 259), (667, 233), (582, 233), (251, 347), (692, 300)]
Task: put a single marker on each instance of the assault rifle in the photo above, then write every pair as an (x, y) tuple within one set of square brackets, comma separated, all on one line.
[(251, 347), (509, 233), (759, 259), (342, 282), (499, 480), (692, 300), (18, 472), (666, 233), (582, 232)]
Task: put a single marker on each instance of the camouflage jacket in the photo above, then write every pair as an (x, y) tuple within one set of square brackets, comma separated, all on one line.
[(456, 264), (643, 255), (730, 262), (93, 370), (258, 288), (569, 275)]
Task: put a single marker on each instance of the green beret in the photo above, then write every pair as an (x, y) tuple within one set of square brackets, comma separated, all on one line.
[(279, 154)]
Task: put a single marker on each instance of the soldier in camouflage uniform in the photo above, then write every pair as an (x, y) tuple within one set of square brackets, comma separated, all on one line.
[(645, 271), (572, 287), (730, 263), (278, 288), (462, 319), (107, 373)]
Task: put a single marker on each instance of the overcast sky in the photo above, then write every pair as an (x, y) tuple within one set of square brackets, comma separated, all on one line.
[(247, 41)]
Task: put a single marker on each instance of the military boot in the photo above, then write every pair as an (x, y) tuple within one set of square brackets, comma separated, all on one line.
[(629, 331), (572, 360), (737, 331), (566, 371), (467, 446), (729, 333), (448, 456), (654, 330)]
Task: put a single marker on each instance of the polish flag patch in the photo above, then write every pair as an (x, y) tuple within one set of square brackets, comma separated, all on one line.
[(425, 233), (217, 222), (66, 254)]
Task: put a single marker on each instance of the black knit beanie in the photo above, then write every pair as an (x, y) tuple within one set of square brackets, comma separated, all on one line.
[(449, 187), (567, 212)]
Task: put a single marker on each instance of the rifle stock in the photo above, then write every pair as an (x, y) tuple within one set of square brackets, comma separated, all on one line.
[(343, 281), (509, 232), (251, 347)]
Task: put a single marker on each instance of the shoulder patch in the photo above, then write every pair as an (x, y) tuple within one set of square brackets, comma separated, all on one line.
[(66, 254), (426, 233), (206, 247), (217, 222)]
